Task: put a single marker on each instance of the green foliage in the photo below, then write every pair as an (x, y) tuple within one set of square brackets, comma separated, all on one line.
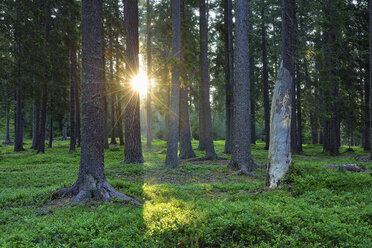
[(201, 204)]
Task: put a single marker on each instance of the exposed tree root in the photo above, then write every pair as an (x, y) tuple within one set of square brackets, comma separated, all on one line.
[(133, 161), (245, 173), (104, 192)]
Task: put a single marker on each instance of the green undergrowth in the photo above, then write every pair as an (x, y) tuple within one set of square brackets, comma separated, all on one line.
[(201, 204)]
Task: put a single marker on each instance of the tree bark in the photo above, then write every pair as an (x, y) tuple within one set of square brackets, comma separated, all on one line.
[(77, 110), (299, 116), (133, 146), (370, 74), (206, 121), (44, 99), (36, 119), (229, 51), (172, 144), (18, 137), (279, 158), (7, 133), (265, 78), (112, 94), (241, 157), (252, 81), (149, 76), (91, 182), (50, 144), (72, 100), (186, 150)]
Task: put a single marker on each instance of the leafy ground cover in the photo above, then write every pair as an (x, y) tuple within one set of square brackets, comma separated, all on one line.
[(201, 204)]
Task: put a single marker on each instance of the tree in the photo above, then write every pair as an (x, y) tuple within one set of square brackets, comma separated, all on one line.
[(133, 146), (229, 72), (72, 79), (92, 182), (241, 157), (44, 96), (370, 71), (18, 139), (186, 150), (279, 157), (205, 118), (265, 77), (172, 143), (149, 75)]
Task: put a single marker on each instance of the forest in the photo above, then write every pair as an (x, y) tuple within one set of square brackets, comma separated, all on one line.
[(186, 123)]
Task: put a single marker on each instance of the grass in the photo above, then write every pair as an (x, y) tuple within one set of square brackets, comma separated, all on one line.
[(201, 204)]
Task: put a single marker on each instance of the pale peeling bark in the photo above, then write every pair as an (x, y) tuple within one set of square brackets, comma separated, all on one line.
[(279, 158)]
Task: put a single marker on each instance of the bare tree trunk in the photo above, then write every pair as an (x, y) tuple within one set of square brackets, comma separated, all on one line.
[(7, 133), (241, 157), (279, 157), (149, 76), (172, 144), (72, 79), (92, 182), (18, 137), (366, 143), (206, 121), (186, 150), (133, 146), (112, 95), (50, 144), (252, 82), (370, 74), (299, 116), (265, 78), (36, 120), (77, 110), (44, 99), (229, 50)]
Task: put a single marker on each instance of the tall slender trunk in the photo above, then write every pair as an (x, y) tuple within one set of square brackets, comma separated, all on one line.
[(229, 51), (366, 132), (252, 81), (133, 146), (172, 144), (314, 129), (119, 108), (204, 85), (72, 79), (149, 76), (112, 94), (186, 150), (50, 144), (7, 133), (265, 78), (299, 116), (18, 137), (77, 109), (36, 119), (370, 74), (241, 157), (44, 99)]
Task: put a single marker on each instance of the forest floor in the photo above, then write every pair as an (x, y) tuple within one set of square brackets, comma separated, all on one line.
[(201, 204)]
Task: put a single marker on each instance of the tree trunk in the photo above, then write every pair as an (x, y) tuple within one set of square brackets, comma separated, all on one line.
[(18, 137), (50, 144), (36, 120), (112, 93), (149, 76), (186, 150), (279, 158), (172, 144), (44, 99), (92, 182), (241, 157), (64, 130), (299, 116), (366, 143), (229, 51), (314, 129), (265, 78), (77, 109), (133, 146), (252, 81), (370, 74), (72, 100), (205, 106), (7, 133)]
